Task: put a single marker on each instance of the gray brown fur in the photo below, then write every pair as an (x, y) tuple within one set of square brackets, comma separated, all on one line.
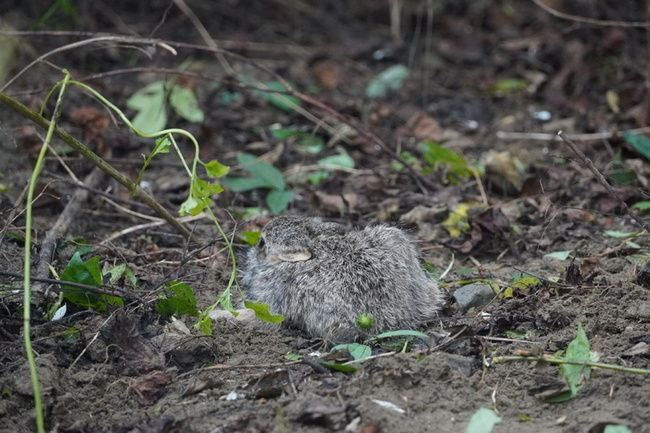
[(321, 277)]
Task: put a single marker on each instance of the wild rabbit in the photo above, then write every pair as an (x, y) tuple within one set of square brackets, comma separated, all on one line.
[(321, 277)]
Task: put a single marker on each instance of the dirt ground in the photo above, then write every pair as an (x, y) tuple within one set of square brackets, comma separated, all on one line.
[(486, 79)]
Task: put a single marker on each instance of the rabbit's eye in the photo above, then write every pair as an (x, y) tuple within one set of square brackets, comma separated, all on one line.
[(261, 243)]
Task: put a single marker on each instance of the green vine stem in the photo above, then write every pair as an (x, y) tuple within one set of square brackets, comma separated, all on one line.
[(559, 361), (97, 161), (27, 293)]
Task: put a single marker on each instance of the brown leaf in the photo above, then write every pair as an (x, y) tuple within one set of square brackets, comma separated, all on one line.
[(138, 353), (424, 127), (150, 387), (92, 121)]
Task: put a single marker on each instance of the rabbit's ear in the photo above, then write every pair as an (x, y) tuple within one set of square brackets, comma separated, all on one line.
[(294, 254)]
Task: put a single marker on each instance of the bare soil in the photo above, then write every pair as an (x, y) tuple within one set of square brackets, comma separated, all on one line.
[(129, 369)]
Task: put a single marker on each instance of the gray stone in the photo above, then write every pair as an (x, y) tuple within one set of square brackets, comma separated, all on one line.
[(473, 295)]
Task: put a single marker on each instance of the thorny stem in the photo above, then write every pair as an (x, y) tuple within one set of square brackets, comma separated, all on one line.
[(559, 361)]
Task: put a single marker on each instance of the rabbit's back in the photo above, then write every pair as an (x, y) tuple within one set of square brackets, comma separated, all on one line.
[(339, 276)]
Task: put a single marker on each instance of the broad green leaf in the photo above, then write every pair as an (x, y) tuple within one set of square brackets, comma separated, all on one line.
[(641, 205), (357, 351), (559, 255), (619, 234), (262, 170), (578, 350), (390, 79), (251, 238), (483, 421), (183, 101), (88, 273), (292, 357), (215, 169), (191, 206), (201, 188), (434, 154), (639, 142), (239, 184), (278, 201), (262, 312), (178, 299), (117, 272), (342, 160), (311, 143), (281, 101), (150, 104)]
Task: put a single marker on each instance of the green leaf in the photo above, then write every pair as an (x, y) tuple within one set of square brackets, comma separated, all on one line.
[(191, 206), (88, 273), (178, 298), (337, 367), (283, 102), (400, 333), (115, 273), (641, 205), (162, 145), (341, 160), (619, 234), (616, 429), (278, 201), (251, 238), (215, 169), (226, 302), (262, 312), (317, 177), (357, 351), (578, 350), (390, 79), (292, 357), (150, 104), (311, 143), (434, 154), (483, 421), (204, 324), (559, 255), (509, 85), (639, 142), (183, 101), (281, 133), (239, 184), (269, 176), (201, 188)]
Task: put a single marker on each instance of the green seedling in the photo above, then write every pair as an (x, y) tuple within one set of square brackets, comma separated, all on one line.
[(436, 156)]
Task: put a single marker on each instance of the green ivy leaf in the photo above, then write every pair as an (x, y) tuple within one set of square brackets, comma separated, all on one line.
[(341, 160), (150, 104), (278, 201), (88, 273), (183, 101), (262, 312), (262, 170), (639, 142), (215, 169), (178, 299)]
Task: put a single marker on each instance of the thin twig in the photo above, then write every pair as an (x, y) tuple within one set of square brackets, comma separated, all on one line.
[(558, 361), (590, 21), (540, 136), (590, 165)]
